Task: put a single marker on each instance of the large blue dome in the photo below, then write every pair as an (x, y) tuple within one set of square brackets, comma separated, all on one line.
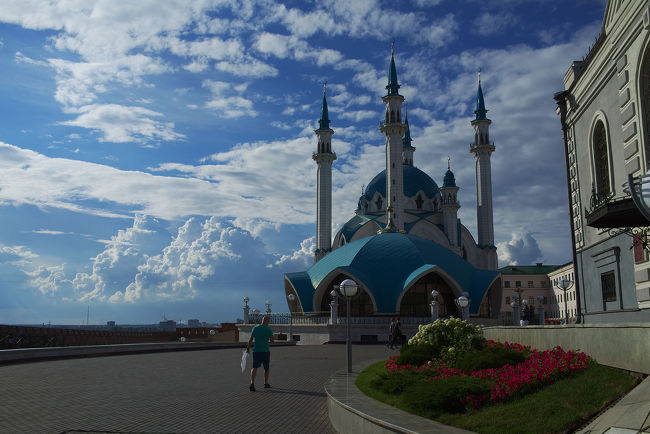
[(414, 181), (386, 264)]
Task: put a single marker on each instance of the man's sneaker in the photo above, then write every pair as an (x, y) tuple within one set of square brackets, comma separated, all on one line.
[(252, 388), (267, 386)]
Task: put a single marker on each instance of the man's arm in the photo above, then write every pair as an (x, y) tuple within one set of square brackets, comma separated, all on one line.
[(250, 341), (272, 338)]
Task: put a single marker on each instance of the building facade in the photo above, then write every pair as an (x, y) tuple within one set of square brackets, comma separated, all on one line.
[(523, 284), (563, 306), (604, 112)]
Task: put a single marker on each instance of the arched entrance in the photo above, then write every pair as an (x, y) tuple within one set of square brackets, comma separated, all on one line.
[(417, 299), (360, 305)]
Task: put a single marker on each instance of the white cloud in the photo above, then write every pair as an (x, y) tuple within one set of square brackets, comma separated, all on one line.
[(302, 257), (522, 249), (47, 280), (124, 123), (17, 255), (225, 103)]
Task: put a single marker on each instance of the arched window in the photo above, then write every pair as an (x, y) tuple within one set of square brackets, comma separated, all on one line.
[(601, 160), (419, 201)]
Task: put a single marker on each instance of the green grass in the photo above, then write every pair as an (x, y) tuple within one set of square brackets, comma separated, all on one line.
[(559, 407)]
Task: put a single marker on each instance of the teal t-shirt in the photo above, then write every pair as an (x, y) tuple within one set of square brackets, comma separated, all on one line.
[(261, 333)]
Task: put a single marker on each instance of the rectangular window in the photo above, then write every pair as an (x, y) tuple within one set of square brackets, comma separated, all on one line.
[(530, 283), (518, 283), (608, 285), (508, 300), (639, 251), (543, 284), (545, 301), (507, 284), (531, 301)]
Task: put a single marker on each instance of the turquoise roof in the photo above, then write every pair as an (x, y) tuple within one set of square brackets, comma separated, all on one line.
[(450, 179), (324, 122), (392, 85), (414, 181), (354, 224), (480, 104), (386, 264)]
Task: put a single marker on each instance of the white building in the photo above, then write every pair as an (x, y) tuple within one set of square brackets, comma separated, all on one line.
[(564, 304)]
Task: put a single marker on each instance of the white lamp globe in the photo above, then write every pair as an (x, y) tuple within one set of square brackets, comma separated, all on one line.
[(348, 288), (333, 293), (291, 297), (435, 294), (463, 301)]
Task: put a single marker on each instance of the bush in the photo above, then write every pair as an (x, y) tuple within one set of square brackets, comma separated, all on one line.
[(449, 337), (395, 384), (487, 358), (448, 395), (417, 354)]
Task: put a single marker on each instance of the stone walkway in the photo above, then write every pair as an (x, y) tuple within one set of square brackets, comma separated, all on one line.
[(179, 392)]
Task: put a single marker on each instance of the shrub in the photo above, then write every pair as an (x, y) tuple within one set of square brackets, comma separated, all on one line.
[(487, 358), (449, 395), (417, 354), (449, 337)]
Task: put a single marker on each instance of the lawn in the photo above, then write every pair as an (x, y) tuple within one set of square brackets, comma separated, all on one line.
[(448, 372)]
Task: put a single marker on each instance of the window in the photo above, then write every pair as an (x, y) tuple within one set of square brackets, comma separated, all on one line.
[(507, 300), (601, 160), (518, 283), (543, 284), (531, 301), (530, 283), (507, 284), (639, 251), (608, 285), (545, 300)]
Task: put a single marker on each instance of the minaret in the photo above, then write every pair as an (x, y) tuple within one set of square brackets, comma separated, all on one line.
[(393, 129), (324, 158), (450, 205), (408, 149), (482, 148)]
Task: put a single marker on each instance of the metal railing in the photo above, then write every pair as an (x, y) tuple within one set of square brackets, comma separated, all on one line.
[(323, 318)]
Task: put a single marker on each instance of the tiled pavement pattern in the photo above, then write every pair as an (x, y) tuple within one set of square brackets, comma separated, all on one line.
[(179, 392)]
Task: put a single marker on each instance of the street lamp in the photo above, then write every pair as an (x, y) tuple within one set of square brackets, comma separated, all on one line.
[(540, 310), (246, 310), (348, 289), (434, 305), (334, 306), (268, 307), (462, 302), (291, 298), (565, 284), (256, 314), (515, 309)]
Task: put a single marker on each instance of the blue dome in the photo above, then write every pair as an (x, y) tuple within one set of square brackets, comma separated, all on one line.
[(414, 181), (386, 264)]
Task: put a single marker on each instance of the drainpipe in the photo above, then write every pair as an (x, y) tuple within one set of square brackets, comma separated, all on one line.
[(561, 100)]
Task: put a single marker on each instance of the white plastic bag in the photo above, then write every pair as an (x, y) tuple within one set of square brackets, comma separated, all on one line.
[(244, 357)]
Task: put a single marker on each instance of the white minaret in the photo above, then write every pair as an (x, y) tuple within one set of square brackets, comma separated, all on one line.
[(393, 129), (482, 148), (450, 205), (324, 158)]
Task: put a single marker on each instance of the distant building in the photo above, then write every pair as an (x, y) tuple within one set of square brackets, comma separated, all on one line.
[(564, 304), (167, 325), (110, 324), (605, 118), (193, 323), (527, 282)]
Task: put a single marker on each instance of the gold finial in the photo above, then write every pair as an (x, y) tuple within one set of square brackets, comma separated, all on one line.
[(479, 76), (448, 163), (324, 86), (392, 48)]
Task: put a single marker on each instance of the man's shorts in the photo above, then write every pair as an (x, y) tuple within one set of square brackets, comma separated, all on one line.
[(261, 358)]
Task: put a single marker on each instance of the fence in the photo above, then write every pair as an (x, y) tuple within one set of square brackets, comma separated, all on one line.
[(323, 318)]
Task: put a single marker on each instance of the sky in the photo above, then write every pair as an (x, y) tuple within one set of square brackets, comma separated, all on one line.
[(155, 157)]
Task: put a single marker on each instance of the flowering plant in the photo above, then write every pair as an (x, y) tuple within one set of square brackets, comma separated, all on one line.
[(539, 369), (448, 337)]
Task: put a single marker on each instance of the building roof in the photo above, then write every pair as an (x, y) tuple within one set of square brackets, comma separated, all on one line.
[(386, 264), (539, 268), (414, 181)]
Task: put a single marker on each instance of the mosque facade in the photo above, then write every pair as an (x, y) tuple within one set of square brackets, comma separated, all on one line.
[(405, 238)]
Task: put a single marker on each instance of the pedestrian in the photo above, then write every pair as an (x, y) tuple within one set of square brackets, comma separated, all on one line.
[(390, 332), (397, 333), (261, 334)]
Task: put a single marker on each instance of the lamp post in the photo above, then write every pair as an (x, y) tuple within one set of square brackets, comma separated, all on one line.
[(462, 302), (434, 305), (246, 310), (334, 307), (564, 285), (291, 298), (348, 289), (268, 307), (515, 309), (256, 313), (540, 310)]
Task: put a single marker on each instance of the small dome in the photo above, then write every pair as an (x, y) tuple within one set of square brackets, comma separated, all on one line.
[(414, 181), (450, 179)]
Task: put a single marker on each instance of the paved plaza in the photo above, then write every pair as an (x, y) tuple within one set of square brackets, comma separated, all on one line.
[(174, 392)]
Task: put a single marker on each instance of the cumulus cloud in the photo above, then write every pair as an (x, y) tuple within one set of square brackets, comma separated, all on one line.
[(522, 249), (47, 280), (16, 255), (302, 257), (227, 101)]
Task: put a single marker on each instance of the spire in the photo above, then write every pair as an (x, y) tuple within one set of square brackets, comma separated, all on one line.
[(406, 138), (480, 104), (392, 86), (450, 179), (324, 122)]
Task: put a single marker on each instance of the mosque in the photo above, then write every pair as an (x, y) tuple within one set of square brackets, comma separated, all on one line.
[(405, 238)]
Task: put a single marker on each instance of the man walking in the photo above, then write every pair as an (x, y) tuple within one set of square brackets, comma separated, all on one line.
[(261, 333)]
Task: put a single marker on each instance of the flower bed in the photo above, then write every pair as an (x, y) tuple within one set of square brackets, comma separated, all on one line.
[(539, 369)]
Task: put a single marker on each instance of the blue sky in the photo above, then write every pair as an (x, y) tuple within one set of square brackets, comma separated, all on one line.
[(156, 160)]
